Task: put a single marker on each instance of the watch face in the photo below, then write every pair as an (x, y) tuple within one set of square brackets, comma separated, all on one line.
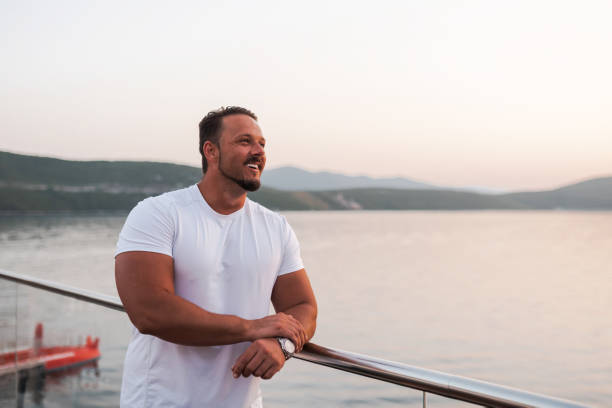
[(289, 346)]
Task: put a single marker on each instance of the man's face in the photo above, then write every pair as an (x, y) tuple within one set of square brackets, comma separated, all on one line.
[(241, 151)]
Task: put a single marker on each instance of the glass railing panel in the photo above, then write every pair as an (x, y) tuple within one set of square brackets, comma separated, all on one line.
[(75, 250), (63, 337), (8, 343), (41, 354)]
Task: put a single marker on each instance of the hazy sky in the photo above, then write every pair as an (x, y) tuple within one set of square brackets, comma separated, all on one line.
[(512, 94)]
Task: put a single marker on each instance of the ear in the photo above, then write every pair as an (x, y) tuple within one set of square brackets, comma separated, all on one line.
[(211, 152)]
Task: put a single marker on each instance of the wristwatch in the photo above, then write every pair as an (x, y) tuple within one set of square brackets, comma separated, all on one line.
[(287, 346)]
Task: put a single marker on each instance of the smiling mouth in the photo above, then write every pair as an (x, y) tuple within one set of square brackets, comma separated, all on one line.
[(254, 167)]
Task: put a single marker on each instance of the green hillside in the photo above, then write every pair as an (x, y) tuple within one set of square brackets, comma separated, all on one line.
[(18, 169), (20, 200), (391, 199), (30, 183)]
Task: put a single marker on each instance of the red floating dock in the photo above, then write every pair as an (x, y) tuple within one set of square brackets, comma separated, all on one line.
[(48, 358)]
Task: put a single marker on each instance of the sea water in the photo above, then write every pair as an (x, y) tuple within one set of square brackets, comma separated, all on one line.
[(522, 299)]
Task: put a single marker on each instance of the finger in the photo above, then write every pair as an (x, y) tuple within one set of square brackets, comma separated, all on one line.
[(253, 364), (270, 373), (301, 332), (289, 327), (294, 337), (303, 338), (263, 367), (300, 339), (289, 332), (242, 361)]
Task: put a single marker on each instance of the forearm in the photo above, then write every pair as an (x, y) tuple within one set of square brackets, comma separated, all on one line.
[(177, 320)]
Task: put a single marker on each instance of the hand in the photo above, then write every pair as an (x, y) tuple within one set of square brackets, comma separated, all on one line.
[(263, 358), (279, 325)]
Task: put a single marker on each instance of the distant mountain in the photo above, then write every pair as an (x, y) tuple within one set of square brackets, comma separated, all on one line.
[(296, 179), (594, 194), (30, 183)]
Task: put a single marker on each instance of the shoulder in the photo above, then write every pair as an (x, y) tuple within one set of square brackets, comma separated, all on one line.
[(167, 203), (152, 224)]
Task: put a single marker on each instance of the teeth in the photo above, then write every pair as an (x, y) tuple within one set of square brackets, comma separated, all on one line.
[(253, 166)]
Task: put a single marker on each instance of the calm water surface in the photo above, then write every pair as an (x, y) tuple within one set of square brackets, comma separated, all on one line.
[(518, 298)]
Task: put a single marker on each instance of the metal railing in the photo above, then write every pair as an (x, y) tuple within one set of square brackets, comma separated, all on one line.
[(429, 381)]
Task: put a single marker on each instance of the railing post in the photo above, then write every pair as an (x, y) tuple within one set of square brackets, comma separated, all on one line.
[(424, 399)]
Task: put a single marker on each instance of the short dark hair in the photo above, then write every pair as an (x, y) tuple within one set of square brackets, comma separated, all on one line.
[(210, 127)]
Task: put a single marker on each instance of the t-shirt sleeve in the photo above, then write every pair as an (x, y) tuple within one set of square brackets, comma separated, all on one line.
[(148, 227), (292, 259)]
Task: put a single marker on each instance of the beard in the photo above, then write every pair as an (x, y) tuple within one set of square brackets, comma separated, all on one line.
[(248, 185)]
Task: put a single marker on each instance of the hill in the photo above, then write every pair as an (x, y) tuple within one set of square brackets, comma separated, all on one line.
[(593, 194), (41, 173), (30, 183)]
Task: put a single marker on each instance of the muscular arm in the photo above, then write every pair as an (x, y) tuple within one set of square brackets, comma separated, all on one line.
[(145, 282), (293, 295)]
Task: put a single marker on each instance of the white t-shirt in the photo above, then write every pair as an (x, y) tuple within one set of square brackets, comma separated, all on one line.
[(223, 263)]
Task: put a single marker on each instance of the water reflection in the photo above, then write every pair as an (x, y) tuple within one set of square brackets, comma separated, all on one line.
[(35, 382)]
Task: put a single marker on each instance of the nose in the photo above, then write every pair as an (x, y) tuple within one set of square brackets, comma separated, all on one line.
[(258, 150)]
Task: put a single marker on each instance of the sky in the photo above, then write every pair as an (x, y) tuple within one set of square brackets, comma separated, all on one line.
[(512, 95)]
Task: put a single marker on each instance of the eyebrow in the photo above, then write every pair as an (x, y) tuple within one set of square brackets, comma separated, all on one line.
[(249, 135)]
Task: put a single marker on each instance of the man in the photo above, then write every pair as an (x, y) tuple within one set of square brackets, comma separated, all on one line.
[(196, 270)]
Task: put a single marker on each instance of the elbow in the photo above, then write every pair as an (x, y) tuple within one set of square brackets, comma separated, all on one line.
[(145, 323), (147, 314), (145, 327)]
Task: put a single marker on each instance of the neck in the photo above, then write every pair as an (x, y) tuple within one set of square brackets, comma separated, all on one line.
[(222, 195)]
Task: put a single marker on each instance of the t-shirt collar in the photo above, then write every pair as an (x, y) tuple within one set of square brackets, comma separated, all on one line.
[(214, 213)]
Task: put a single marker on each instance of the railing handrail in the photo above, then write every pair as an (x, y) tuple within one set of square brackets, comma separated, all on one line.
[(435, 382)]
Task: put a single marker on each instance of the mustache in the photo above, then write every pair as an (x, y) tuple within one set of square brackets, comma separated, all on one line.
[(254, 160)]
